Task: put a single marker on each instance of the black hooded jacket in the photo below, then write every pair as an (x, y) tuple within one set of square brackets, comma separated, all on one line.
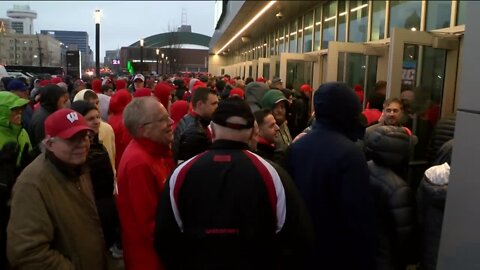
[(50, 95), (394, 203), (331, 174)]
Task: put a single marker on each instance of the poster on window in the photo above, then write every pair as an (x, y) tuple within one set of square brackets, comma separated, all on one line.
[(409, 72)]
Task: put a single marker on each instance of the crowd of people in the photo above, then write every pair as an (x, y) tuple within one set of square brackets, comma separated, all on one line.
[(207, 172)]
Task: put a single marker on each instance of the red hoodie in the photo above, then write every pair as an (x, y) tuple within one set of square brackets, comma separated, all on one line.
[(178, 110), (118, 102), (97, 86), (163, 92)]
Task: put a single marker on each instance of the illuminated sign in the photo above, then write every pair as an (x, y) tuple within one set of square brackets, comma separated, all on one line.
[(116, 62)]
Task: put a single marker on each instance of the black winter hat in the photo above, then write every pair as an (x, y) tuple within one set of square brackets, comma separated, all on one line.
[(230, 107), (82, 107)]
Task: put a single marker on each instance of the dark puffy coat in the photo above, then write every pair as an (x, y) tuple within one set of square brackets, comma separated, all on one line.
[(431, 197), (331, 174), (394, 202), (443, 131), (191, 137), (102, 177), (298, 114)]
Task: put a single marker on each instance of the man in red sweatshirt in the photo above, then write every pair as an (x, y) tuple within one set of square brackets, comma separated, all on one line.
[(143, 170)]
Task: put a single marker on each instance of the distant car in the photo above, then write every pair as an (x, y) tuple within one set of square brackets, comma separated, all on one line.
[(3, 72)]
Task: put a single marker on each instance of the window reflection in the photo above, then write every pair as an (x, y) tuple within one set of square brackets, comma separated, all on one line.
[(438, 14), (358, 21), (292, 36), (462, 10), (318, 25), (307, 32), (342, 15), (329, 17), (405, 14), (378, 20)]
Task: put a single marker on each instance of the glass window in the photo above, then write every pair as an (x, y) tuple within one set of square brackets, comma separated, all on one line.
[(329, 17), (378, 20), (358, 21), (281, 42), (292, 36), (405, 14), (342, 15), (318, 26), (307, 32), (300, 35), (438, 14), (272, 44), (462, 10)]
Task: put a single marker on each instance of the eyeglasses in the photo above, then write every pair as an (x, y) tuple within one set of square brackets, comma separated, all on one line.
[(164, 119), (75, 140)]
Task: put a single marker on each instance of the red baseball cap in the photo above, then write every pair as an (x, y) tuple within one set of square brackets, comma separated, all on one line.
[(65, 123), (306, 88)]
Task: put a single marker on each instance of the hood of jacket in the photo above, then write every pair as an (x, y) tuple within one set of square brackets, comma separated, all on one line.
[(254, 93), (119, 101), (51, 93), (337, 106), (388, 146), (81, 94), (9, 101)]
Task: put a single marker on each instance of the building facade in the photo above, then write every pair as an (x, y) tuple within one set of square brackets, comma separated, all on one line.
[(77, 40), (22, 19), (30, 50)]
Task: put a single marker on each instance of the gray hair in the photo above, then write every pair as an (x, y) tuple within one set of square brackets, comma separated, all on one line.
[(136, 113)]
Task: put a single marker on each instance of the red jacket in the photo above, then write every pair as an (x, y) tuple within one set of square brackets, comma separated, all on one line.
[(118, 102), (142, 173)]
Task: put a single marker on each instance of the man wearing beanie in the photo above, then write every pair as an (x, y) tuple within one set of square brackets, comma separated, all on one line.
[(54, 222), (331, 174), (275, 101), (228, 208)]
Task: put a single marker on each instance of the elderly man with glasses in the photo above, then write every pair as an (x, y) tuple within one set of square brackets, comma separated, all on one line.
[(54, 222), (142, 172)]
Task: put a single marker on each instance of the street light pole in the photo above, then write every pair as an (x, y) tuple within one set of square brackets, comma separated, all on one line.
[(166, 64), (97, 42), (141, 56), (158, 52)]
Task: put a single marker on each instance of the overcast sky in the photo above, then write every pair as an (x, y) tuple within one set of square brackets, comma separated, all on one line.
[(123, 22)]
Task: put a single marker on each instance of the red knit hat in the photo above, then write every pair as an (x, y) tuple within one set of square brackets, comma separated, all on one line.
[(236, 92), (306, 88), (57, 80), (162, 92), (120, 84), (142, 92), (97, 86), (44, 83)]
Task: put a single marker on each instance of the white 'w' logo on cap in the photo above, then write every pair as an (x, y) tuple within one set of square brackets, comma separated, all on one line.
[(72, 117)]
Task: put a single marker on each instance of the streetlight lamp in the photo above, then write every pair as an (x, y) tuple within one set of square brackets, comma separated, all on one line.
[(141, 56), (163, 61), (166, 64), (158, 52), (97, 42)]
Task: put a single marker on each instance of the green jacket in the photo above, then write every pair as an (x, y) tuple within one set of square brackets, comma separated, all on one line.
[(8, 131)]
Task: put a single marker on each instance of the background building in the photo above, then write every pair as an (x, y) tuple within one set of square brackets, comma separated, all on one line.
[(77, 40), (112, 60), (172, 45), (22, 19), (31, 50)]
